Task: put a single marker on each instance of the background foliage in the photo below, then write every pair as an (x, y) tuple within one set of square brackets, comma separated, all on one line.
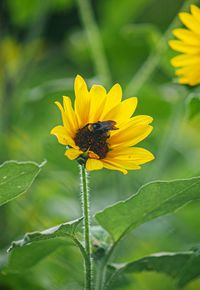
[(43, 45)]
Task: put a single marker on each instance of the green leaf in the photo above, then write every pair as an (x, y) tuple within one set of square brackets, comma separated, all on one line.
[(182, 266), (24, 258), (16, 178), (153, 200), (35, 246), (63, 230)]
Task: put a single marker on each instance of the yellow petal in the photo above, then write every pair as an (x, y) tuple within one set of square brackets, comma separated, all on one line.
[(187, 36), (185, 59), (180, 46), (136, 155), (130, 138), (190, 22), (97, 102), (183, 80), (93, 164), (82, 101), (70, 115), (126, 164), (140, 120), (113, 166), (63, 136), (122, 112), (191, 70), (190, 77), (92, 155), (114, 97), (134, 127), (194, 82), (121, 165), (66, 118), (73, 153), (193, 79)]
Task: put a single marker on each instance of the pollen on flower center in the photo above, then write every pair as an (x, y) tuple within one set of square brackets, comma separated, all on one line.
[(93, 137)]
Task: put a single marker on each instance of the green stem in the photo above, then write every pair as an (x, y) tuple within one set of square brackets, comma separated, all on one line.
[(81, 248), (111, 279), (86, 214), (100, 269), (95, 41)]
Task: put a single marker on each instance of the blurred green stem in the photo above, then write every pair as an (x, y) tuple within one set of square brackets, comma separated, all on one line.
[(86, 214), (95, 41), (100, 273), (146, 70)]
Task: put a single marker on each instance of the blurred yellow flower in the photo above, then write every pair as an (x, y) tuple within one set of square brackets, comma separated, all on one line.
[(100, 131), (188, 63)]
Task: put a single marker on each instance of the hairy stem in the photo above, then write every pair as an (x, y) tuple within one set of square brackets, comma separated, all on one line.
[(86, 214), (95, 42)]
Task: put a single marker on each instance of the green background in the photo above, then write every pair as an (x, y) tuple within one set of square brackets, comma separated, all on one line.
[(43, 46)]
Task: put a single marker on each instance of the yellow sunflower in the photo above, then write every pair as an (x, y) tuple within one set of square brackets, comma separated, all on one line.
[(100, 131), (188, 43)]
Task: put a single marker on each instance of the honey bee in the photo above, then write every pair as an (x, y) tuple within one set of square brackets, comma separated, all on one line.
[(101, 128)]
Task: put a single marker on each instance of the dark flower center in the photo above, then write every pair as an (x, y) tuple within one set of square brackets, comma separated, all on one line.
[(93, 137)]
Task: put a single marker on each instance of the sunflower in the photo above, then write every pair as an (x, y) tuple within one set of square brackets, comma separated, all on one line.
[(100, 131), (188, 43)]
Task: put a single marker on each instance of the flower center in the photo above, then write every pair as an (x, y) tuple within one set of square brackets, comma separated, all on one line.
[(93, 137)]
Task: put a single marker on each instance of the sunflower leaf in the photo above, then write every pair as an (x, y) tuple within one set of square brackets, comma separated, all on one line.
[(182, 266), (153, 200), (16, 178), (35, 246)]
